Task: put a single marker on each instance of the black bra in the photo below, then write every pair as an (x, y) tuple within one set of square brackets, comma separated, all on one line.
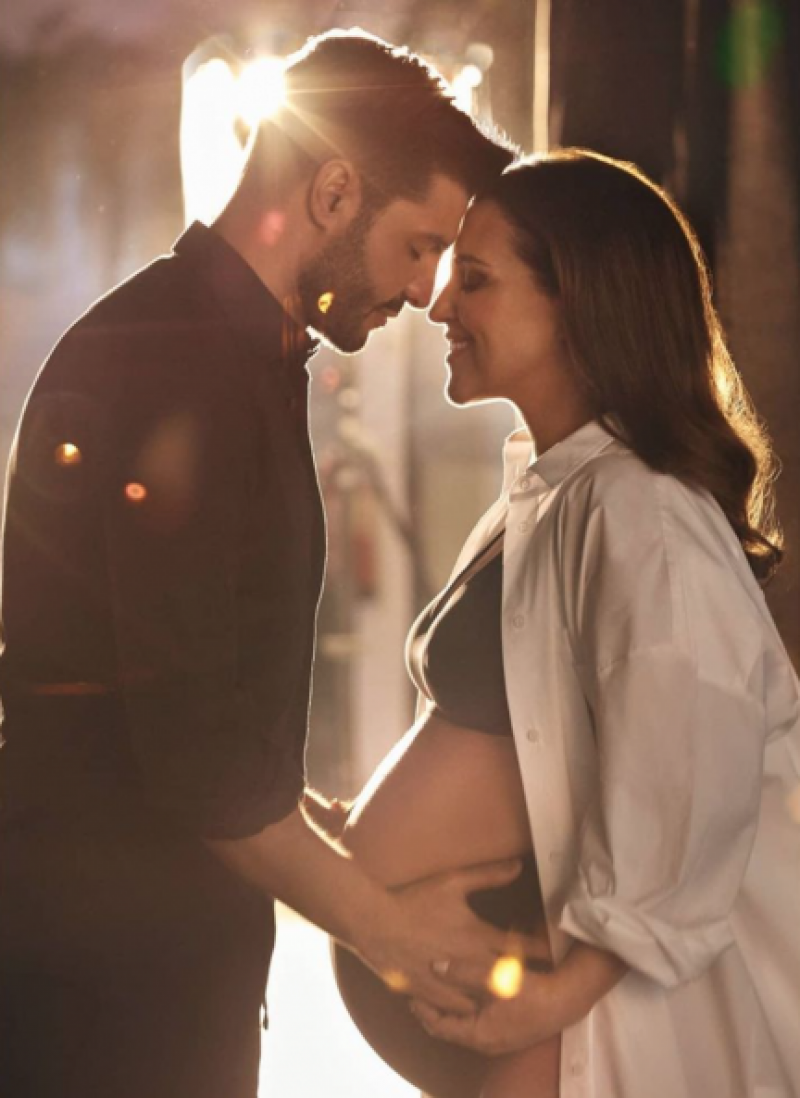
[(454, 651)]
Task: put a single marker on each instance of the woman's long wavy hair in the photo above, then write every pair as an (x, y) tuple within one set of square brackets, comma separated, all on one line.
[(644, 336)]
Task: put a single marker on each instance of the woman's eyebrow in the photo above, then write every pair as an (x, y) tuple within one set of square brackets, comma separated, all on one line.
[(465, 257)]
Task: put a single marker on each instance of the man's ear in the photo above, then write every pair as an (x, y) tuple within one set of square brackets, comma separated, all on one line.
[(334, 197)]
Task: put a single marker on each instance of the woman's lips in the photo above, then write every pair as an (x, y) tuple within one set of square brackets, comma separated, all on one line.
[(457, 346)]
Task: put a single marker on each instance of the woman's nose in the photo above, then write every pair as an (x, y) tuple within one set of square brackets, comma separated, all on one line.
[(442, 309)]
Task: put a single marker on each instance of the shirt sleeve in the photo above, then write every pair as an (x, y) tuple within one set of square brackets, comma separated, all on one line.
[(679, 733), (213, 750)]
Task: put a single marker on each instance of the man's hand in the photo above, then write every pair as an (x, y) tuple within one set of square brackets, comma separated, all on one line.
[(432, 925), (327, 816), (401, 935)]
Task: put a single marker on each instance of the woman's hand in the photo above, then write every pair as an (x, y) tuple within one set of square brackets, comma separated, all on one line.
[(501, 1025), (546, 1003)]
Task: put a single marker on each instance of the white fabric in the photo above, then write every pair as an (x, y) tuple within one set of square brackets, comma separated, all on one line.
[(657, 722)]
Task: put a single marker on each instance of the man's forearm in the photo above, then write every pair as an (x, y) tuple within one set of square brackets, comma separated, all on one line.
[(292, 862), (398, 933)]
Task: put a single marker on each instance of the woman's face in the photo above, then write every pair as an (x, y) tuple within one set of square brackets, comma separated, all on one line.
[(504, 331)]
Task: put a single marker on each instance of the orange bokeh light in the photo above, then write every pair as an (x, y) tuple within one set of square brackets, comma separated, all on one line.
[(68, 454), (135, 493)]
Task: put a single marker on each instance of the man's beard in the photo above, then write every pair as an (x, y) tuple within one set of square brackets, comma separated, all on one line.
[(336, 293)]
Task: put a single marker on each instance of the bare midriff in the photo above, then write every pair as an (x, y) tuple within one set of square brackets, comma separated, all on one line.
[(446, 798)]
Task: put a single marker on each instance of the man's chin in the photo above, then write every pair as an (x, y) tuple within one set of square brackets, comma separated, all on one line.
[(348, 342)]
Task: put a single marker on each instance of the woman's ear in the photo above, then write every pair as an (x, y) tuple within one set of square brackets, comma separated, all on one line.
[(334, 197)]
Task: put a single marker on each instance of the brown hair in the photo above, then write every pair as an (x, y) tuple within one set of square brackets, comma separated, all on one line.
[(351, 94), (643, 333)]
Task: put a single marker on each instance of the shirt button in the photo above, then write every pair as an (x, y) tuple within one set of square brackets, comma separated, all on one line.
[(553, 856), (524, 483), (577, 1067), (534, 735), (524, 527), (518, 621)]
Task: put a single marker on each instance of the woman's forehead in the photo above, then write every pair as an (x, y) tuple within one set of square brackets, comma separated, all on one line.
[(485, 232)]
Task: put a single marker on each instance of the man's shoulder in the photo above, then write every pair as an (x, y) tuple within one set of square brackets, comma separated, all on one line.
[(159, 317), (165, 290)]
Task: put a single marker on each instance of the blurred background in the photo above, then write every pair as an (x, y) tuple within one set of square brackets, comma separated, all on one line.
[(121, 122)]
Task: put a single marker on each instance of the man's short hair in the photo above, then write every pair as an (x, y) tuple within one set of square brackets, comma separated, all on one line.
[(390, 112)]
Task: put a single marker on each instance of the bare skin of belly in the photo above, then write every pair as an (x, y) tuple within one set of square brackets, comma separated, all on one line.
[(445, 798)]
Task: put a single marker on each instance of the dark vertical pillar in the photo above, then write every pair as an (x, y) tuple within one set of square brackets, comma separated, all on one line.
[(759, 266), (617, 78)]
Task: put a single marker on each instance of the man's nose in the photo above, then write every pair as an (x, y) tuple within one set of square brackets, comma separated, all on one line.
[(420, 290), (442, 308)]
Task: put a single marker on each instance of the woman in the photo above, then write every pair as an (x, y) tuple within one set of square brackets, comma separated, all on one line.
[(654, 713)]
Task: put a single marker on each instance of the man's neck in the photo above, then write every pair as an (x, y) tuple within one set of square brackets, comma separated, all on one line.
[(270, 240)]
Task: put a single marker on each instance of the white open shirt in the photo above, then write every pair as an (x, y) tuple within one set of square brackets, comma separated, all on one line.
[(657, 721)]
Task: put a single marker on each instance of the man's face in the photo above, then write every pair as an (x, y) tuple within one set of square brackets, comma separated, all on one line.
[(380, 263)]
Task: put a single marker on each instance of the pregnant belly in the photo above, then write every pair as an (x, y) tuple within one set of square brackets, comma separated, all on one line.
[(445, 798)]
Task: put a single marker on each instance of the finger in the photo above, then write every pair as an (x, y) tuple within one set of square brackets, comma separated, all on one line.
[(463, 973), (445, 998), (447, 1027), (503, 979), (486, 875)]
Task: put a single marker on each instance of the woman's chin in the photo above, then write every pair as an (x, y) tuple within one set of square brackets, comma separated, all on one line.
[(457, 393)]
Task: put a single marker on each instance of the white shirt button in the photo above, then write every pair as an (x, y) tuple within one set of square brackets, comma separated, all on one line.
[(518, 621), (524, 527), (524, 484), (553, 856), (577, 1067), (534, 735)]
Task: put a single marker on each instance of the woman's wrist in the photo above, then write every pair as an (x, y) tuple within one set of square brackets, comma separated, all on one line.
[(584, 976)]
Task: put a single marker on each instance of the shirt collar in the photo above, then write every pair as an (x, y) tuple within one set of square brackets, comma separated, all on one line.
[(248, 303), (522, 470)]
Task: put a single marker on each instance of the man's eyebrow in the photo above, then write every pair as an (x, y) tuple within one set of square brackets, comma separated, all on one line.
[(434, 241)]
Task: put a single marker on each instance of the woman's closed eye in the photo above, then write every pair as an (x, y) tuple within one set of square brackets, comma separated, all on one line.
[(470, 279)]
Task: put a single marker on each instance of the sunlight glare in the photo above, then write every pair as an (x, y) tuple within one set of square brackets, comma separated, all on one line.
[(212, 156), (506, 977), (260, 90)]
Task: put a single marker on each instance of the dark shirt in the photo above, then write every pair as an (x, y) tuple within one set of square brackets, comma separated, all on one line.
[(163, 555)]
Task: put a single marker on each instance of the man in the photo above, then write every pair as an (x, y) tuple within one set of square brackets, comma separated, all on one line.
[(162, 562)]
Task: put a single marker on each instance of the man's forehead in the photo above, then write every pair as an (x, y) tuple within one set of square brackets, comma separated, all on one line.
[(436, 216)]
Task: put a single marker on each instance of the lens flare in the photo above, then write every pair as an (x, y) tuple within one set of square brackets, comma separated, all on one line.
[(749, 43), (68, 454), (135, 493), (261, 90), (506, 978), (396, 980)]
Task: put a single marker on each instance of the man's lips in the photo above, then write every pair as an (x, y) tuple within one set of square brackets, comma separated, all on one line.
[(384, 314)]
